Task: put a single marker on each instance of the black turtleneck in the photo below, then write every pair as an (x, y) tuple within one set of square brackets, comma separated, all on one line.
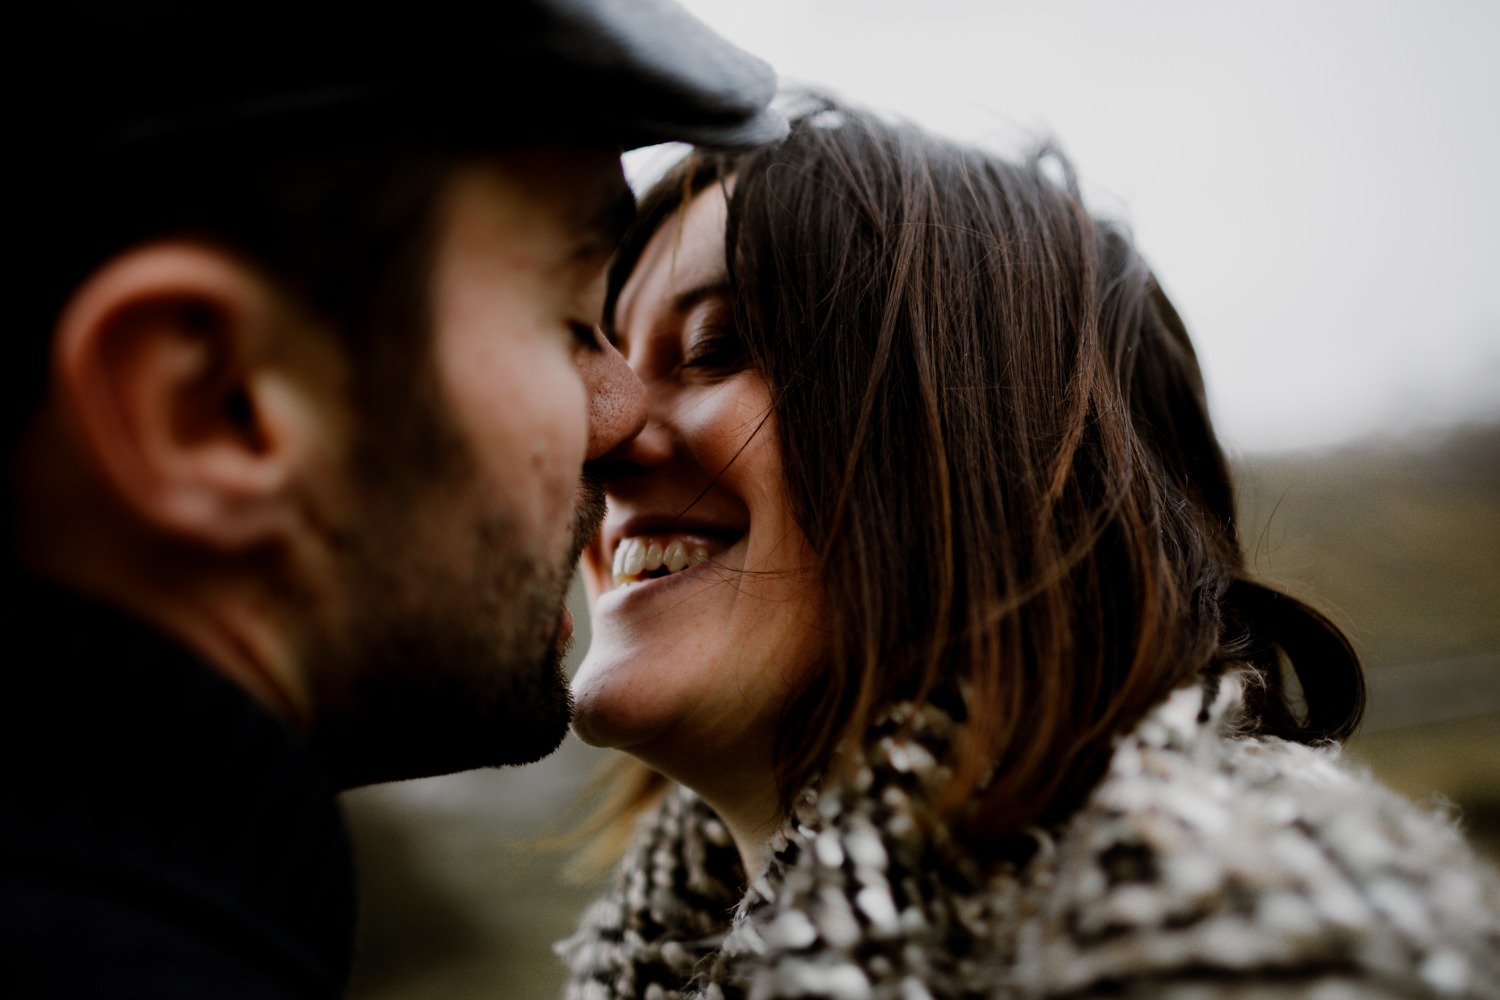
[(162, 834)]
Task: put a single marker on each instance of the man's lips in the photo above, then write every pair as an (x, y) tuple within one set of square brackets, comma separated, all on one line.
[(564, 633)]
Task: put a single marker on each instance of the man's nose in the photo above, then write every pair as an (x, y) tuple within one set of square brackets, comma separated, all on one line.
[(617, 399)]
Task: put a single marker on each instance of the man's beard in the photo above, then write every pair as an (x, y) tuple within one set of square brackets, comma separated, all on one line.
[(448, 660)]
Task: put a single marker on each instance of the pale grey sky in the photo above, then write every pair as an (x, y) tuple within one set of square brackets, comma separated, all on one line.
[(1314, 181)]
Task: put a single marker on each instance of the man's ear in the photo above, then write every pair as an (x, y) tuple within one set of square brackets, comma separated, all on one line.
[(162, 367)]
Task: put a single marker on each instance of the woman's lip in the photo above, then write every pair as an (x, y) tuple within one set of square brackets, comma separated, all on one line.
[(706, 533), (624, 597), (697, 545)]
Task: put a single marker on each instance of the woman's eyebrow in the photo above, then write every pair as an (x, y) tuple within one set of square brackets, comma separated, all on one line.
[(686, 300)]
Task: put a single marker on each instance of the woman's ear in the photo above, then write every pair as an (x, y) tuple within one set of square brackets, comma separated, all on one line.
[(167, 369)]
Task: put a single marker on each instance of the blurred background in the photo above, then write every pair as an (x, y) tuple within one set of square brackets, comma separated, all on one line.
[(1314, 183)]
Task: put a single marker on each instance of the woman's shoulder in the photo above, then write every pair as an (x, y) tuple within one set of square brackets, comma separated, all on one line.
[(1206, 853)]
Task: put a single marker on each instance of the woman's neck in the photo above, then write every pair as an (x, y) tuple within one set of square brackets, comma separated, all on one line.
[(752, 838), (744, 795)]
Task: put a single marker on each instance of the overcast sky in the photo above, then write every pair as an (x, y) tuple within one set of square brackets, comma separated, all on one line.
[(1314, 181)]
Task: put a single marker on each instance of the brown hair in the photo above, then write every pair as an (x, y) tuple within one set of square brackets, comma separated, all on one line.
[(995, 436)]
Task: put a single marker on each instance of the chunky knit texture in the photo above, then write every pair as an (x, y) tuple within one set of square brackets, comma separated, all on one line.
[(1205, 864)]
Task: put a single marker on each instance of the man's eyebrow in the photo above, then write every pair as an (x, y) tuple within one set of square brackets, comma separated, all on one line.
[(600, 227)]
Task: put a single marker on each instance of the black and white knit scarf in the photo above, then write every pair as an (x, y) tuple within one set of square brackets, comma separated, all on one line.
[(1205, 864)]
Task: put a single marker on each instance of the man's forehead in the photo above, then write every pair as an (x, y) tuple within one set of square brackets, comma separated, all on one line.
[(598, 217), (577, 200)]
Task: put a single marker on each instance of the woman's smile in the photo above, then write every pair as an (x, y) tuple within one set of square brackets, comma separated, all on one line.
[(644, 568), (641, 559), (652, 548)]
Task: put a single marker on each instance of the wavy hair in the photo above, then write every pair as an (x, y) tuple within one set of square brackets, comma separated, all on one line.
[(995, 436)]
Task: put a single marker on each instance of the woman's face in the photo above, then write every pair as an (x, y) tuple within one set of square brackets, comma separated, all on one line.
[(705, 604)]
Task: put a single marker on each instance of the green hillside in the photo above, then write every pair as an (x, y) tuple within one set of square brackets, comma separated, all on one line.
[(1400, 542)]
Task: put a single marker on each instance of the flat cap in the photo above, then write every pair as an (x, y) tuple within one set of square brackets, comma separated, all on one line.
[(502, 72)]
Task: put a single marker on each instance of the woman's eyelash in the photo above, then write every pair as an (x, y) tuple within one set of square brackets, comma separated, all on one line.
[(717, 348)]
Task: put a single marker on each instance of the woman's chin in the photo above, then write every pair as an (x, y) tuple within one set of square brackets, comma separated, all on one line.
[(608, 711)]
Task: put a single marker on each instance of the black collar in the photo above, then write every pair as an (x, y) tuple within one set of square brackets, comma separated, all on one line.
[(142, 782)]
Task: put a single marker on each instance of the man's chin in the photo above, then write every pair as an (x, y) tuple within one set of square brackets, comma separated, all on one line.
[(426, 737)]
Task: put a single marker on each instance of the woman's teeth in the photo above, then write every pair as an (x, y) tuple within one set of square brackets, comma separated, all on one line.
[(636, 558)]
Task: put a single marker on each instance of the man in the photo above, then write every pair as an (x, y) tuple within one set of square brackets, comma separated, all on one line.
[(303, 381)]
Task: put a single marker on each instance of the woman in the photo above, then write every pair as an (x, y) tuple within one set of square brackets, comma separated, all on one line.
[(922, 586)]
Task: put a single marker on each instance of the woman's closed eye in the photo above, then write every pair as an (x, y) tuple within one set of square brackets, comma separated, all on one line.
[(716, 349)]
